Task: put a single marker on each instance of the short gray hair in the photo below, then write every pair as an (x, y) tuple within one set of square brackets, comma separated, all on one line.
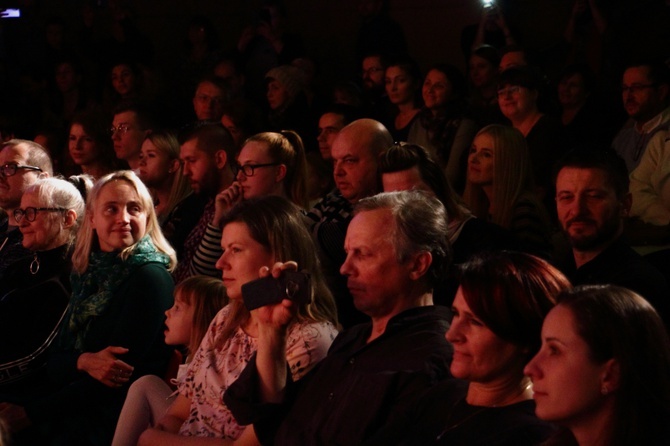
[(420, 225)]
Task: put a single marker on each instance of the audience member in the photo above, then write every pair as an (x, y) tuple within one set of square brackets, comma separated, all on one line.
[(373, 73), (22, 163), (207, 151), (442, 127), (111, 332), (512, 56), (592, 200), (403, 84), (483, 77), (257, 235), (286, 97), (89, 146), (355, 151), (646, 97), (228, 68), (498, 313), (269, 164), (519, 91), (130, 126), (406, 167), (332, 120), (649, 191), (242, 119), (602, 371), (160, 171), (209, 99), (499, 187), (396, 250), (35, 291), (585, 119), (196, 301)]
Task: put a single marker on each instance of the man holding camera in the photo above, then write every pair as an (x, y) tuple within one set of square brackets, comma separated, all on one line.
[(372, 370)]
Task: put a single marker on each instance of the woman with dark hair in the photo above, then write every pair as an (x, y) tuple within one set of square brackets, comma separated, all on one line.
[(519, 96), (442, 127), (603, 369), (498, 312), (257, 233), (90, 146), (403, 84)]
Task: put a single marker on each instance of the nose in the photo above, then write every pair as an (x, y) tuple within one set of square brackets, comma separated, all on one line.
[(221, 264), (531, 370), (186, 171), (321, 136), (116, 135), (346, 268), (454, 334), (124, 216), (338, 171)]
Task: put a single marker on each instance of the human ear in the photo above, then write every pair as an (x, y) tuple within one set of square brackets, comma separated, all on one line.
[(174, 166), (70, 218), (281, 173), (610, 378), (420, 265), (220, 158)]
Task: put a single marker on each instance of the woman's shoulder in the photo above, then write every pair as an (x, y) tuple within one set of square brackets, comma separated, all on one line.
[(311, 330)]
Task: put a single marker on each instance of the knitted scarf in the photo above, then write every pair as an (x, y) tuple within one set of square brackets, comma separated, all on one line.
[(93, 290)]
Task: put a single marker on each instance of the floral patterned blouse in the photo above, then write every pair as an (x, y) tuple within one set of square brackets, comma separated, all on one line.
[(214, 369)]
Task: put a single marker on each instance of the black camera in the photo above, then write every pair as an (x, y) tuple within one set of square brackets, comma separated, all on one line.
[(268, 290)]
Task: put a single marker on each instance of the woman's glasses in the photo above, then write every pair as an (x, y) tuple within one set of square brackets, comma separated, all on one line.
[(31, 213)]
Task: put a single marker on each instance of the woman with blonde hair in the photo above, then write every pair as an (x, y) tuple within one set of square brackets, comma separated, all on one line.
[(499, 186), (257, 233), (160, 170), (112, 332)]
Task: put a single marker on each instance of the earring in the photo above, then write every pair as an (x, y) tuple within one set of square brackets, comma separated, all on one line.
[(604, 390)]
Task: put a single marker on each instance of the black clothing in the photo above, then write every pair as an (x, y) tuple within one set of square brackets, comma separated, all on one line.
[(357, 388), (180, 222), (31, 308), (11, 249), (620, 265), (443, 417)]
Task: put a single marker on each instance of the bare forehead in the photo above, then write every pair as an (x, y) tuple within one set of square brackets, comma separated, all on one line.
[(633, 74), (575, 178), (127, 117), (331, 120), (209, 88), (17, 153), (351, 141)]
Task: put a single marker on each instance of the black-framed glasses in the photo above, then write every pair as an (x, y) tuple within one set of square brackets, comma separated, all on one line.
[(636, 88), (31, 212), (9, 170), (248, 169)]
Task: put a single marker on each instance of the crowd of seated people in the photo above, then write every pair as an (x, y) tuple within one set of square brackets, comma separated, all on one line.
[(438, 232)]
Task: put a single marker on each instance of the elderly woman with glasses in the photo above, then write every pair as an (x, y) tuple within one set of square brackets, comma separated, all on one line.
[(35, 292)]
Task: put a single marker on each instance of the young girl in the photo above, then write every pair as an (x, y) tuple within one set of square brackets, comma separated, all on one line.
[(196, 302)]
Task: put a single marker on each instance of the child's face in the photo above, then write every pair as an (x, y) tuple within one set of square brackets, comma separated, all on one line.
[(179, 322)]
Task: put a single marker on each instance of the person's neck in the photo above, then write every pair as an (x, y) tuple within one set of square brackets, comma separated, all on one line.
[(503, 392), (583, 256), (525, 123), (569, 112), (134, 163), (407, 108), (94, 170), (596, 428), (403, 303)]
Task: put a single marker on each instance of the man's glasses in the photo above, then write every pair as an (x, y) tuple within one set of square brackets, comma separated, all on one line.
[(122, 128), (9, 170), (248, 169), (31, 213), (515, 89), (635, 88)]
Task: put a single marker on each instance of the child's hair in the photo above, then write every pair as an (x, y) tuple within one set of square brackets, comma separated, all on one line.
[(207, 295)]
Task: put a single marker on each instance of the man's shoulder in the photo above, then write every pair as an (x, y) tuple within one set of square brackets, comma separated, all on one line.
[(619, 264)]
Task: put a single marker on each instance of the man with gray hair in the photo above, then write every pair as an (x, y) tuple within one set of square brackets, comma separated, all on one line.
[(22, 162), (397, 252)]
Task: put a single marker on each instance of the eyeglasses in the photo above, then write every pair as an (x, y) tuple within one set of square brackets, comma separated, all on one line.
[(635, 88), (9, 170), (248, 169), (509, 90), (122, 128), (371, 70), (31, 213)]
